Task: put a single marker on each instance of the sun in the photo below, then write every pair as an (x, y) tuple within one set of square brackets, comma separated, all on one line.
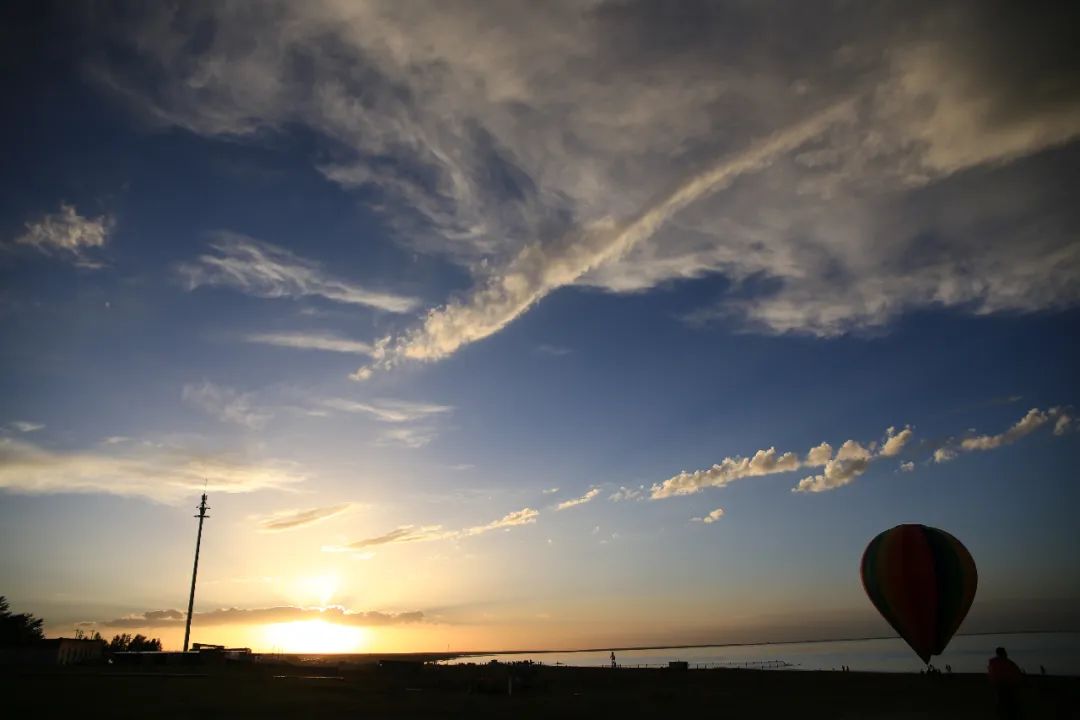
[(315, 636)]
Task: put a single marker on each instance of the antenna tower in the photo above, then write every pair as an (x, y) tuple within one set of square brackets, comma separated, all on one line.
[(203, 507)]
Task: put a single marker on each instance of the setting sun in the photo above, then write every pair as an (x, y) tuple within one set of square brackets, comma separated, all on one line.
[(315, 636)]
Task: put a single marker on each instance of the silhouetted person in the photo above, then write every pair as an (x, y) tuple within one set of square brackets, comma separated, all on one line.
[(613, 659), (1042, 669), (1005, 678)]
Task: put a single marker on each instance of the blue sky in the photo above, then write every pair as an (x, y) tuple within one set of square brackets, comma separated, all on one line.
[(400, 285)]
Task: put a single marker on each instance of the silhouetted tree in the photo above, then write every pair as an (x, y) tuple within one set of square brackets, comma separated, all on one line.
[(124, 642), (81, 634), (20, 628), (141, 643)]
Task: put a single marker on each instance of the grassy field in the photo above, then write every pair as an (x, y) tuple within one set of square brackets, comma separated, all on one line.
[(481, 692)]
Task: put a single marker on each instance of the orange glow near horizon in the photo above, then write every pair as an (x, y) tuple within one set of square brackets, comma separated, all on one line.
[(315, 636)]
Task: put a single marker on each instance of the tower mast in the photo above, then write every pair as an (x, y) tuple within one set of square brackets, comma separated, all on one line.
[(203, 507)]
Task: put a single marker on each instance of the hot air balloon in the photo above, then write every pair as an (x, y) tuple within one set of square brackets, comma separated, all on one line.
[(922, 581)]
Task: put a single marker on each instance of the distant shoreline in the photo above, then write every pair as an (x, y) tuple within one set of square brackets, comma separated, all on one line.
[(441, 655), (743, 644)]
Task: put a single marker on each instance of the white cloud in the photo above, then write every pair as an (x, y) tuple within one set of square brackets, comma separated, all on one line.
[(428, 533), (503, 138), (554, 350), (624, 494), (851, 461), (410, 437), (1032, 421), (311, 341), (944, 454), (818, 456), (565, 504), (551, 491), (852, 450), (68, 234), (895, 441), (264, 270), (538, 269), (907, 466), (291, 519), (517, 518), (838, 472), (763, 462), (712, 517), (25, 426), (162, 475), (1063, 423), (391, 411), (226, 404)]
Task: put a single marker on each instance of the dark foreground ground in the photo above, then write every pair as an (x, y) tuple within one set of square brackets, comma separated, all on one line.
[(268, 691)]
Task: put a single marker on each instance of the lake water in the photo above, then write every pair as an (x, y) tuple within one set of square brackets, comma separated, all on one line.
[(1059, 653)]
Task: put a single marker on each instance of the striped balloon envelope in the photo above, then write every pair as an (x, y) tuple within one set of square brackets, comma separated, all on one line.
[(922, 580)]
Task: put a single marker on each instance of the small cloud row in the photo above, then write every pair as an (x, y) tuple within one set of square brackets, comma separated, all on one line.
[(259, 616), (851, 460)]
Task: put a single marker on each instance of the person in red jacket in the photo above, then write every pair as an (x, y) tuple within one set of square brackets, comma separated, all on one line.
[(1005, 676)]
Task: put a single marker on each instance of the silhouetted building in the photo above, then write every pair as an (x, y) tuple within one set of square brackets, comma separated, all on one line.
[(203, 654), (54, 651)]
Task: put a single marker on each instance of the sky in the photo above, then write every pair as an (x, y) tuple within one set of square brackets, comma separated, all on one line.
[(516, 325)]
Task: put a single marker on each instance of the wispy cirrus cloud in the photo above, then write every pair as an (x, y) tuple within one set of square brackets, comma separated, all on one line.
[(428, 533), (25, 426), (412, 428), (539, 269), (226, 404), (163, 475), (385, 410), (259, 616), (531, 148), (406, 436), (574, 502), (553, 350), (326, 341), (292, 519), (264, 270), (68, 235)]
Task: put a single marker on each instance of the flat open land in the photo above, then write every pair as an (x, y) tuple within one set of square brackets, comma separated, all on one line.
[(288, 691)]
